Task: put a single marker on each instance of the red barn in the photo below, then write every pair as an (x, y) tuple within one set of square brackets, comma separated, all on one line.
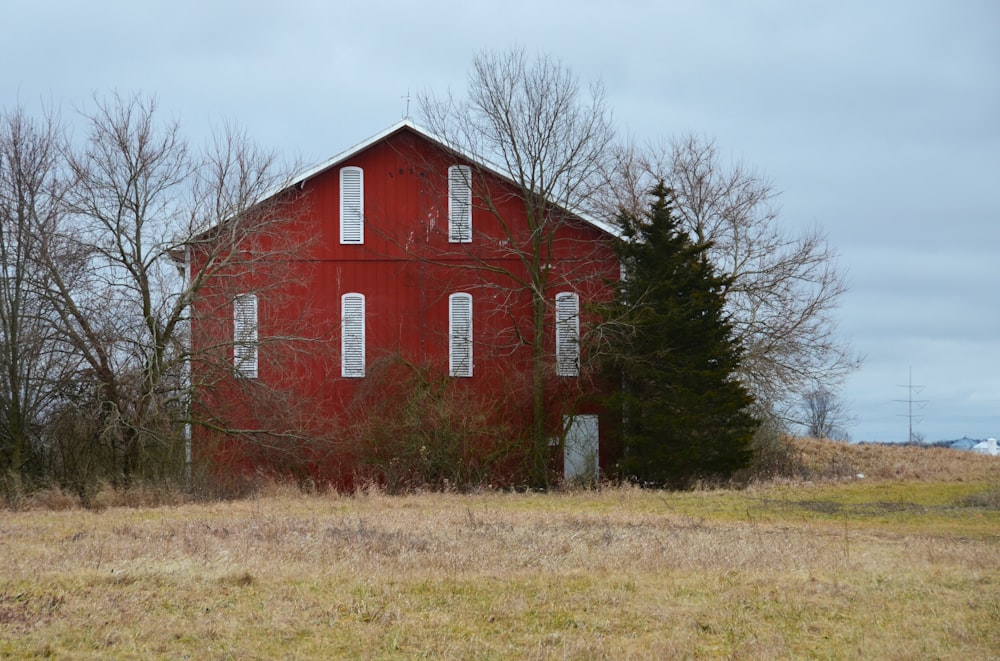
[(395, 326)]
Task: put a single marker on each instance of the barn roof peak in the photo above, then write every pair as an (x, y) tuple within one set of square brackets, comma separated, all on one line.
[(408, 124)]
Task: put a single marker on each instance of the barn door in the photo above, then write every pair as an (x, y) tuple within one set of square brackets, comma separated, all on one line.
[(580, 458)]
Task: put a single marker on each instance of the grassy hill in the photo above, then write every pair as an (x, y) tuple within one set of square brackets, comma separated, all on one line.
[(831, 460)]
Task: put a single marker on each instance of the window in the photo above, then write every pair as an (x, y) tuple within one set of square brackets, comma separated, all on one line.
[(352, 329), (460, 204), (567, 334), (352, 205), (460, 335), (245, 335)]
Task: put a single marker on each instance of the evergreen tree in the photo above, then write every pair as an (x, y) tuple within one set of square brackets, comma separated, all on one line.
[(686, 416)]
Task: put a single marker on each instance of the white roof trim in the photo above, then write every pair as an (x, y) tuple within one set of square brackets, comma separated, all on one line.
[(311, 172)]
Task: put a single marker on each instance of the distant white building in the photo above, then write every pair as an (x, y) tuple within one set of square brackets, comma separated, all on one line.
[(989, 446)]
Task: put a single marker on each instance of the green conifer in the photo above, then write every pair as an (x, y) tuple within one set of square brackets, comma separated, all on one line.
[(686, 416)]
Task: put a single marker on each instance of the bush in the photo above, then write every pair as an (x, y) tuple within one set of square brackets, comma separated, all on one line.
[(417, 429), (775, 455)]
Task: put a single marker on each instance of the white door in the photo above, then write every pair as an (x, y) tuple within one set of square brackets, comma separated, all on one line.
[(581, 448)]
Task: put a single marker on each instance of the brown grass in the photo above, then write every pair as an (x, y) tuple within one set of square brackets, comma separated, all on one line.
[(828, 459), (873, 568)]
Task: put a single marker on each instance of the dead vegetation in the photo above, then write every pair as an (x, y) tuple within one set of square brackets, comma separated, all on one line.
[(801, 459), (824, 460), (839, 568)]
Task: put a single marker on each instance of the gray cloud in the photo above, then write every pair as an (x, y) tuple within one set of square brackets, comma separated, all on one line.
[(879, 121)]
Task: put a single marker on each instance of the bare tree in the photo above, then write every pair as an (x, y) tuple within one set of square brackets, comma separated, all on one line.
[(140, 207), (34, 365), (824, 415), (551, 140), (785, 287)]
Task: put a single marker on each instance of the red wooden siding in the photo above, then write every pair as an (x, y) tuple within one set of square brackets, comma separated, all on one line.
[(406, 269)]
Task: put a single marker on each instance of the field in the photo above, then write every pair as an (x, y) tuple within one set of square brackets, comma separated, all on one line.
[(900, 564)]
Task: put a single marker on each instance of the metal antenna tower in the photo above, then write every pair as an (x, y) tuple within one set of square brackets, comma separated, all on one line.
[(909, 401)]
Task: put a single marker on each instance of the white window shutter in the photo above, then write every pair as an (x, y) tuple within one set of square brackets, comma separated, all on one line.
[(567, 334), (352, 328), (460, 204), (352, 205), (245, 335), (460, 335)]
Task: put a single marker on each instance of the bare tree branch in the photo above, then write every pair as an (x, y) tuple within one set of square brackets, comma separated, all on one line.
[(139, 210), (550, 142), (824, 415), (34, 364), (784, 288)]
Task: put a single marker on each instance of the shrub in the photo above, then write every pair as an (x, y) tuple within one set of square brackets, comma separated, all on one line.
[(415, 428), (775, 455)]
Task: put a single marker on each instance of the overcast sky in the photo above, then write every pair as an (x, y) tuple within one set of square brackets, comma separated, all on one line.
[(879, 121)]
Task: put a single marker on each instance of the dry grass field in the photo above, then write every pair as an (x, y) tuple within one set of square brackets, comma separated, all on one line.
[(902, 564)]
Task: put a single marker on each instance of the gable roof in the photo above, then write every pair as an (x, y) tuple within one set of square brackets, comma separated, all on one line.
[(405, 124), (989, 446)]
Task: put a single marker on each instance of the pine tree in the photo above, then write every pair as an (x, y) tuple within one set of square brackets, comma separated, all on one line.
[(686, 416)]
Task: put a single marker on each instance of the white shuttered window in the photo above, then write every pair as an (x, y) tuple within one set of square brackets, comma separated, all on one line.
[(460, 204), (245, 335), (460, 335), (352, 329), (567, 334), (352, 205)]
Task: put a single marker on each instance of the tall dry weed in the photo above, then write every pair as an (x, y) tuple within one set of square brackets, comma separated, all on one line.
[(824, 459), (793, 459), (611, 573)]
